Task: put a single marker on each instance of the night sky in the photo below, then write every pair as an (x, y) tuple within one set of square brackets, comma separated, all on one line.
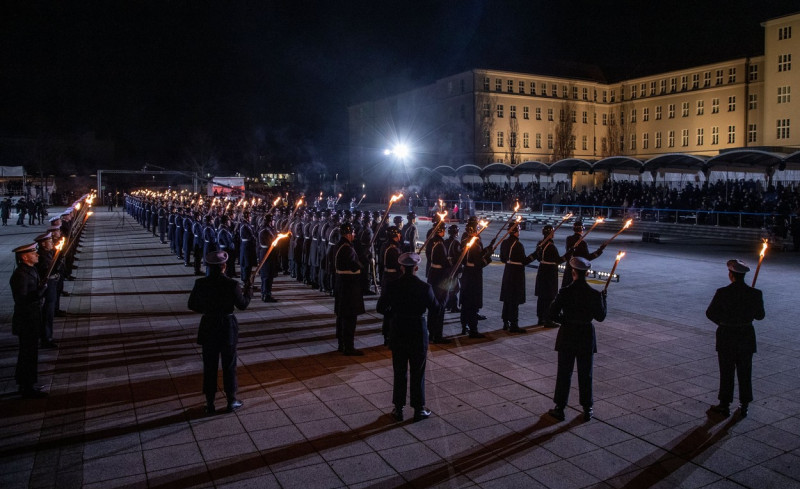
[(152, 76)]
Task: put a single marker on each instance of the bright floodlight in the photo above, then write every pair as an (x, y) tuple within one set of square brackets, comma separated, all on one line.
[(387, 152), (401, 151)]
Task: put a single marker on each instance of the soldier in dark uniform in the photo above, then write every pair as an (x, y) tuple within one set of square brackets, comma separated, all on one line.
[(390, 252), (404, 303), (247, 247), (733, 310), (46, 253), (581, 250), (349, 302), (187, 239), (438, 274), (471, 298), (214, 297), (364, 238), (576, 306), (452, 247), (178, 233), (227, 244), (163, 217), (269, 271), (512, 290), (410, 233), (209, 235), (27, 290), (547, 277), (197, 243)]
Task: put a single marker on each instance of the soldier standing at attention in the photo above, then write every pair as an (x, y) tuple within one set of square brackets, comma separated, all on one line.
[(438, 273), (575, 306), (410, 233), (471, 297), (214, 297), (348, 302), (404, 302), (547, 276), (27, 290), (512, 290), (269, 271), (733, 310), (581, 250), (453, 249)]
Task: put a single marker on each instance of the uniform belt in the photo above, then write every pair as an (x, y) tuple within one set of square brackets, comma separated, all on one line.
[(548, 263), (433, 265), (406, 242), (265, 246), (469, 264), (222, 247), (314, 239), (245, 240), (348, 272), (513, 263), (391, 270)]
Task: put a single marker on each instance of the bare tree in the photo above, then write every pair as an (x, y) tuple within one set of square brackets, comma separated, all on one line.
[(201, 155), (564, 142), (486, 124), (513, 132)]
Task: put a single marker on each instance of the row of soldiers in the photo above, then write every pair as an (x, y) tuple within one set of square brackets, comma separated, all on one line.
[(37, 285)]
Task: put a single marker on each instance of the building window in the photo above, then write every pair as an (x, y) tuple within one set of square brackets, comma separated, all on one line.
[(645, 141), (549, 114), (646, 114), (731, 134), (585, 93), (487, 109), (633, 141), (633, 92), (671, 139), (685, 137), (652, 88), (512, 111), (486, 84), (498, 85), (605, 98), (574, 116), (684, 83), (486, 138), (554, 90), (642, 89), (731, 75), (575, 93), (621, 144), (752, 102), (784, 33), (549, 141), (584, 143), (707, 79), (526, 114), (613, 96), (533, 88), (604, 144), (563, 91), (658, 139), (695, 81), (784, 94), (499, 139), (561, 115), (585, 117), (784, 62), (752, 133), (510, 86), (658, 112), (714, 105), (500, 110), (685, 109), (522, 87), (611, 119), (715, 135), (719, 77), (783, 128), (538, 113), (752, 73), (673, 84), (700, 107), (594, 118), (538, 140), (512, 139), (525, 140), (663, 85), (605, 119), (462, 112), (700, 136), (671, 111), (731, 104)]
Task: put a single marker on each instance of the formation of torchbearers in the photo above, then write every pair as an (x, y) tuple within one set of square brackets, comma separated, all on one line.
[(37, 285), (353, 254)]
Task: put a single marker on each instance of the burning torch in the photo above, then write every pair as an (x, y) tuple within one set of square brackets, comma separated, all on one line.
[(553, 232), (596, 222), (266, 255), (442, 216), (510, 218), (628, 224), (760, 259), (613, 269), (392, 200)]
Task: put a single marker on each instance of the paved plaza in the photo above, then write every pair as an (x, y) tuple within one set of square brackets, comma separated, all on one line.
[(125, 407)]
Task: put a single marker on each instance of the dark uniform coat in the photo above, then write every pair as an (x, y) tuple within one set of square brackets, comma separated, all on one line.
[(215, 297), (582, 250), (733, 310), (26, 322), (349, 301), (575, 307), (472, 274), (512, 253), (547, 276)]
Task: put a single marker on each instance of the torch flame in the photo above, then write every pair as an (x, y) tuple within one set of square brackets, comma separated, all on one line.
[(519, 218), (516, 207), (275, 203), (628, 223), (484, 224), (599, 220), (620, 255), (299, 203), (89, 213), (395, 198), (569, 214), (363, 196), (340, 195), (763, 249), (442, 215), (60, 243), (471, 241), (78, 206), (280, 237)]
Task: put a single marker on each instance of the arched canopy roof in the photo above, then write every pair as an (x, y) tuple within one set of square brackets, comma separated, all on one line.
[(569, 165), (675, 162), (616, 163), (531, 167), (445, 170), (422, 173), (745, 160), (468, 170), (792, 161), (497, 169)]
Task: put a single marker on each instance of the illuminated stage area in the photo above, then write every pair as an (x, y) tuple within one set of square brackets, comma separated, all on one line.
[(125, 407)]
